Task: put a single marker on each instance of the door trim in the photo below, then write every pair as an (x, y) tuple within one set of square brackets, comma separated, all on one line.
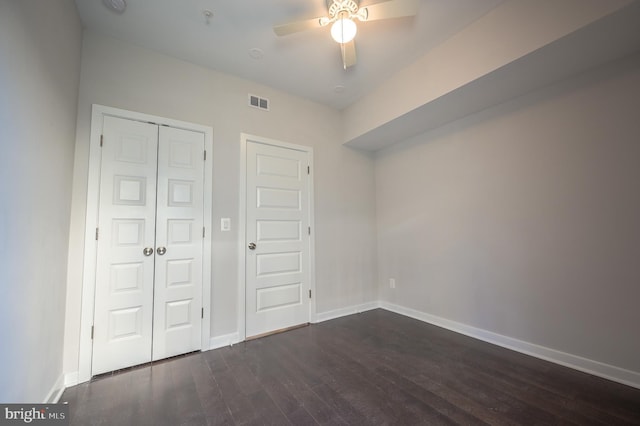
[(242, 221), (98, 112)]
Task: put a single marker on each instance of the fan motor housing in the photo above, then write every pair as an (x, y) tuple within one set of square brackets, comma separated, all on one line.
[(338, 6)]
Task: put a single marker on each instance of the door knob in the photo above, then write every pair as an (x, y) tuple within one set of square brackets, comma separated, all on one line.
[(252, 246), (148, 251), (161, 250)]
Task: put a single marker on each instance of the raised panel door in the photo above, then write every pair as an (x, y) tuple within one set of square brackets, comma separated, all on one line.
[(277, 268), (124, 275), (179, 225)]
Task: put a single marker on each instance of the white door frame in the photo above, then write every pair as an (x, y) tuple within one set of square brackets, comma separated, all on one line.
[(242, 244), (91, 223)]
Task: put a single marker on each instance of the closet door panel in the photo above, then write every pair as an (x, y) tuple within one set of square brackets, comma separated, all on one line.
[(126, 227), (179, 243)]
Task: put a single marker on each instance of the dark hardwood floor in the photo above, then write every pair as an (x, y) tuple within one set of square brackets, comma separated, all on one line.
[(367, 369)]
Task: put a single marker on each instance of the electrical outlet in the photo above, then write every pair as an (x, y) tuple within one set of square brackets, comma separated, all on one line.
[(392, 283)]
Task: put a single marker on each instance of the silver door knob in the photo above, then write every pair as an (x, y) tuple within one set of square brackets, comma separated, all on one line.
[(161, 250), (148, 251), (252, 246)]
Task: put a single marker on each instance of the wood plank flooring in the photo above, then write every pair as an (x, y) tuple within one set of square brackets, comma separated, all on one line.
[(374, 368)]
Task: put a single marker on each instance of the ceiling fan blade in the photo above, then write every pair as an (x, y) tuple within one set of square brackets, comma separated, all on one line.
[(348, 51), (392, 9), (295, 27)]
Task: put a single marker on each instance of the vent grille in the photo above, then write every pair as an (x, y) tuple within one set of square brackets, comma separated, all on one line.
[(258, 102)]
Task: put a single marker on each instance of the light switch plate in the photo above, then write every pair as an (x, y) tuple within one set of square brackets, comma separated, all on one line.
[(225, 224)]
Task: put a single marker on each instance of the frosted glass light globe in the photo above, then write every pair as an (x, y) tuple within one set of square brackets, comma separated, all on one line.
[(343, 30)]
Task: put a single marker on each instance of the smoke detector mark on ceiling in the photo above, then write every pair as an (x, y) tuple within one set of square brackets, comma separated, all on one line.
[(258, 102), (207, 16), (117, 6), (256, 53)]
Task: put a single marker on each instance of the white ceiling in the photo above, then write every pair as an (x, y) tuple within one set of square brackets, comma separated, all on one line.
[(306, 64)]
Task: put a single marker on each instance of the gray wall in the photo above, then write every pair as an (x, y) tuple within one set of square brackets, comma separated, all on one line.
[(524, 219), (120, 75), (40, 43)]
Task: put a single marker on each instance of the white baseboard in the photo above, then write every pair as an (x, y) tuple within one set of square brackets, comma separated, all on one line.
[(596, 368), (56, 391), (224, 340), (233, 338), (349, 310), (71, 379)]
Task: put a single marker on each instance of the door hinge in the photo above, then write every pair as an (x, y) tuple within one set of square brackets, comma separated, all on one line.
[(309, 293), (203, 232), (97, 232), (101, 139), (91, 332), (202, 313), (308, 170), (205, 155), (309, 229)]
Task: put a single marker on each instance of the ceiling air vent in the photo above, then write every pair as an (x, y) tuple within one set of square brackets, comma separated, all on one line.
[(258, 102)]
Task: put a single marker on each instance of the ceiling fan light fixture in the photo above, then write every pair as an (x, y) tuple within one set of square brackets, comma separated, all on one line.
[(343, 30)]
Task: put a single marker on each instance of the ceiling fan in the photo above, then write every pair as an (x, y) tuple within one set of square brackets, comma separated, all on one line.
[(342, 15)]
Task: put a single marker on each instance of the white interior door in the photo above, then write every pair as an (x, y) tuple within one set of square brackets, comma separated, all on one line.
[(148, 299), (179, 239), (277, 260), (125, 272)]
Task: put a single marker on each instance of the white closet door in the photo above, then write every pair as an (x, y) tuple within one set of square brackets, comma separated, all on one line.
[(125, 271), (179, 243)]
